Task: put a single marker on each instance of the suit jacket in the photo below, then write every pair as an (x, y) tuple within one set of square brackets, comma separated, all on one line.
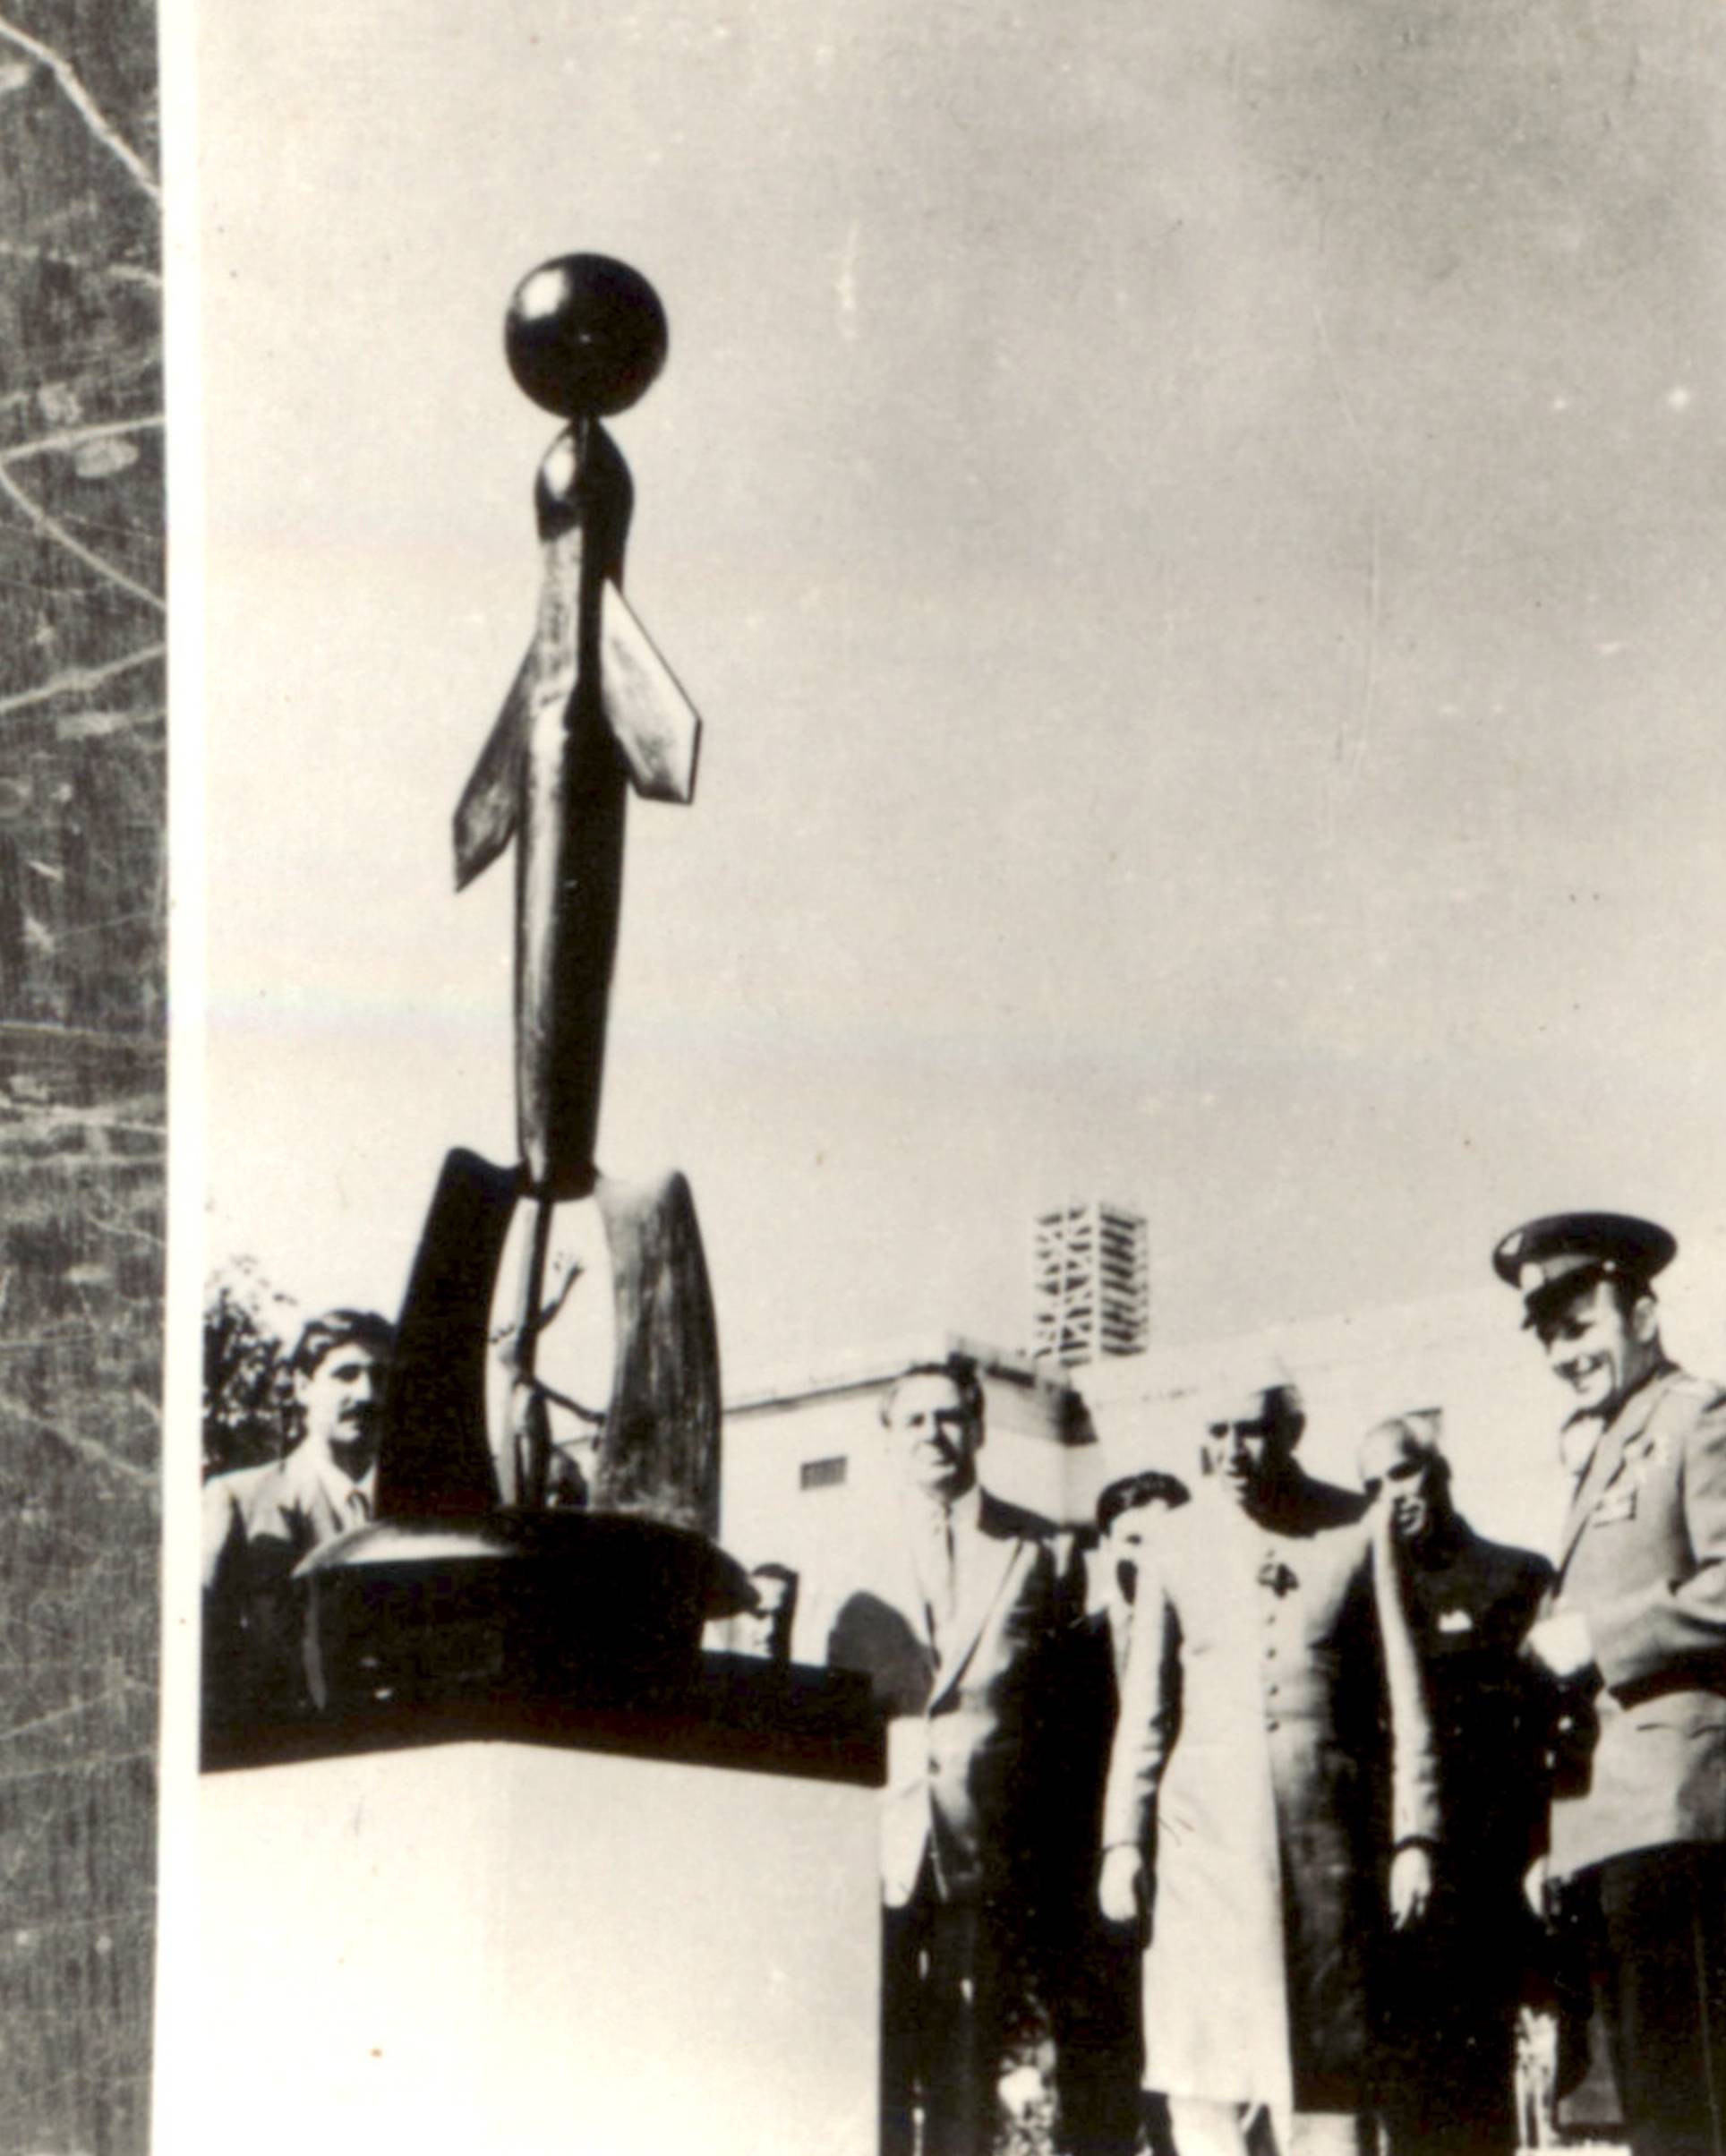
[(963, 1757), (1247, 1769), (1471, 1603), (258, 1523), (265, 1519), (226, 1501), (1642, 1558), (1078, 1733)]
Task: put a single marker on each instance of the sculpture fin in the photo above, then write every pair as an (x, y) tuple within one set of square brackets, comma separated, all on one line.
[(652, 721), (485, 816)]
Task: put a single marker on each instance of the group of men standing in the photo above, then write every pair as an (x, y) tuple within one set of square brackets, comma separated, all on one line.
[(1267, 1832), (1347, 1734)]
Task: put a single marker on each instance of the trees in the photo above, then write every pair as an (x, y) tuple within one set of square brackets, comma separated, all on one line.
[(248, 1395)]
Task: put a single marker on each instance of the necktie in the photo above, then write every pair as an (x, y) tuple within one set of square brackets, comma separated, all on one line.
[(939, 1588)]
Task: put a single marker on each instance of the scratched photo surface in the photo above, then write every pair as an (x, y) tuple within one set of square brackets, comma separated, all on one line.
[(1195, 533), (83, 1006)]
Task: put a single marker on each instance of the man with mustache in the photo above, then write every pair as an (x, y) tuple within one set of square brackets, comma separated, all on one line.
[(260, 1522), (1633, 1633)]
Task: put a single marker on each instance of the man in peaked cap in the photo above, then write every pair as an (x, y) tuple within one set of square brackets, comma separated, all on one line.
[(1633, 1629)]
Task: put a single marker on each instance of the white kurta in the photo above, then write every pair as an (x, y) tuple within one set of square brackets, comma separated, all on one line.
[(1248, 1765)]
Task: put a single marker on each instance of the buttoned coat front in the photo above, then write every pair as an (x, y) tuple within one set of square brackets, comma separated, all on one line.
[(963, 1758), (1248, 1767), (1642, 1558)]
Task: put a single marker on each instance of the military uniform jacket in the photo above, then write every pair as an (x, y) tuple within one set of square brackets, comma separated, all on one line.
[(1642, 1558), (963, 1754), (1247, 1767)]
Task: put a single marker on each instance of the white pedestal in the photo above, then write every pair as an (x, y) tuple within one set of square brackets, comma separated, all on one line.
[(499, 1949)]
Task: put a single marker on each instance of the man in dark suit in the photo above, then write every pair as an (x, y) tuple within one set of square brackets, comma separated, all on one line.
[(955, 1638), (1093, 1983), (1451, 1987), (260, 1522), (1633, 1629)]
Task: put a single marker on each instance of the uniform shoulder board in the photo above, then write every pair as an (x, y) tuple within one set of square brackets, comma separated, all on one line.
[(1687, 1399)]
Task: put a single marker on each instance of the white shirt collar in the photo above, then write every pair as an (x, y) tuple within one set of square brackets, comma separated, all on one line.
[(337, 1487), (963, 1513)]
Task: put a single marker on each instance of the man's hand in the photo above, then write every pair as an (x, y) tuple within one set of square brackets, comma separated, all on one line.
[(1122, 1891), (1411, 1885), (1560, 1646)]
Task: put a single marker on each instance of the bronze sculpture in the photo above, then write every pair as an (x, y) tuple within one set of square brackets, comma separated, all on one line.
[(593, 710), (492, 1565)]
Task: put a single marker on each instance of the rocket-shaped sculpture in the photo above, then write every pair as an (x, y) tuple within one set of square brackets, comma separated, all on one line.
[(593, 711), (526, 1535)]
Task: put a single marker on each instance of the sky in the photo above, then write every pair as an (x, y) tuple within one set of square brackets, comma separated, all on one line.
[(1196, 531)]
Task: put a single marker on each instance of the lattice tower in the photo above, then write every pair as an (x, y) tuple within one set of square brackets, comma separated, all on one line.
[(1090, 1284)]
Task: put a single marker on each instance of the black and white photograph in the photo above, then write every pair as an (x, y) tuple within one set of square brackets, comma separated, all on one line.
[(942, 917)]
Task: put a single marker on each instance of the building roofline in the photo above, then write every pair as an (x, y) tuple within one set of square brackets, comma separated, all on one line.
[(880, 1365)]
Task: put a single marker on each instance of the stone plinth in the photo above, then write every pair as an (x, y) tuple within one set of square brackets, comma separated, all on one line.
[(544, 1938)]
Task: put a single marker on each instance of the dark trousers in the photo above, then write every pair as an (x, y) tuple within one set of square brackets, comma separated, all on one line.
[(1449, 1992), (1094, 1991), (942, 2025), (1661, 1987)]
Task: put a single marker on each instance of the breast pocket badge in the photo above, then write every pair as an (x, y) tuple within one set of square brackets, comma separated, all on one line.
[(1620, 1505)]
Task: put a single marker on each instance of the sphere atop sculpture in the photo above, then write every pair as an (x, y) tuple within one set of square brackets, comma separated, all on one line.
[(584, 335)]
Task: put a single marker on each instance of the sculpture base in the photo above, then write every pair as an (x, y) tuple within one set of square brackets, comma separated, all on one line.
[(589, 1606), (529, 1949)]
